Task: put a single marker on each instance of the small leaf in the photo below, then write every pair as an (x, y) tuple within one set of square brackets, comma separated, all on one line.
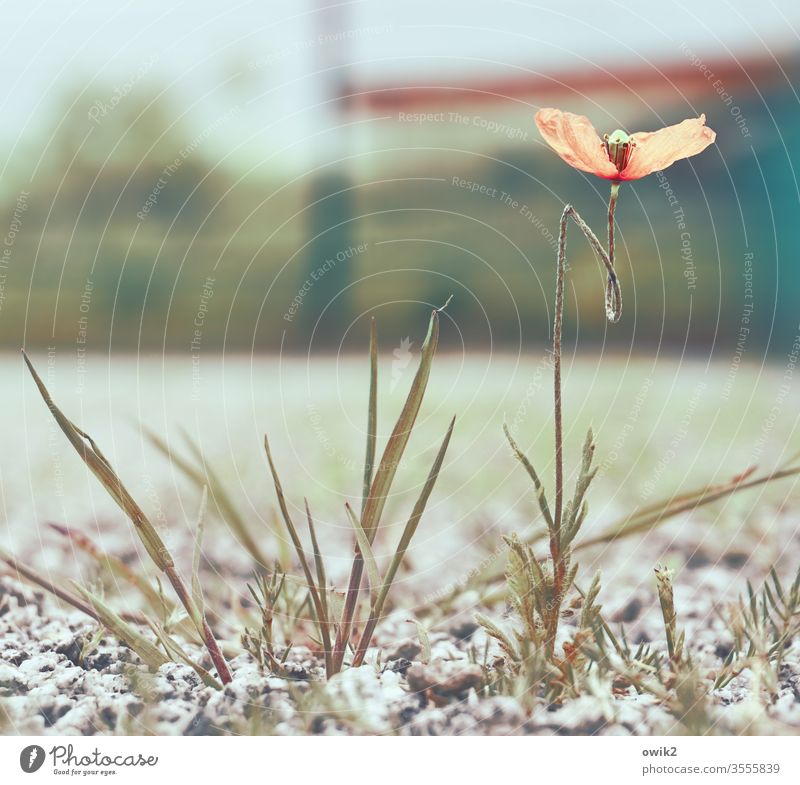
[(495, 632), (425, 641), (528, 466)]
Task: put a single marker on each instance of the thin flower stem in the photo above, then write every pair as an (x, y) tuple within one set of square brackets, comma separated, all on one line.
[(613, 313)]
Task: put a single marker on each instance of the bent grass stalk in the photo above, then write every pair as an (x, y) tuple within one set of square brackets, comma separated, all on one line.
[(94, 459)]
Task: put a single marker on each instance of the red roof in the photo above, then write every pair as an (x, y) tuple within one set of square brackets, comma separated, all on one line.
[(683, 78)]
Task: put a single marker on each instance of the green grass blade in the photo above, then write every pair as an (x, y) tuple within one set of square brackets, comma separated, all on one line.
[(382, 481), (322, 589), (393, 453), (405, 540), (372, 415), (175, 652), (366, 551), (537, 483), (322, 581)]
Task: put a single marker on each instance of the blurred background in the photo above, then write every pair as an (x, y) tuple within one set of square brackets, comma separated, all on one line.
[(203, 204), (264, 176)]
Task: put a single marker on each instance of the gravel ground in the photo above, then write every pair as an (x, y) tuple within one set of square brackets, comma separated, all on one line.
[(49, 684)]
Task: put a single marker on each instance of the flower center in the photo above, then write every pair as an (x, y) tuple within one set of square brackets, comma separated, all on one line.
[(619, 148)]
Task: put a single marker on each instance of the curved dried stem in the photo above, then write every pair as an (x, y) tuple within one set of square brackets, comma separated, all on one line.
[(613, 303)]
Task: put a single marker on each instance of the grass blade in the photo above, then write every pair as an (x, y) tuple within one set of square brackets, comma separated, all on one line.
[(98, 464), (322, 587), (115, 566), (537, 483), (177, 653), (197, 589), (372, 414), (322, 618), (405, 540), (322, 581), (652, 516), (223, 504), (39, 580), (425, 641), (364, 546), (392, 454), (382, 481), (153, 657)]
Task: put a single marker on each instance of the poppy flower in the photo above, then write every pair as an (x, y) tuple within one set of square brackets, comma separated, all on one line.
[(621, 156)]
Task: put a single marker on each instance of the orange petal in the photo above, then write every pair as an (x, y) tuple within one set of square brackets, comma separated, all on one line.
[(656, 150), (573, 137)]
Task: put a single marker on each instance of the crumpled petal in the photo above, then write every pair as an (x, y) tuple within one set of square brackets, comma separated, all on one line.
[(656, 150), (574, 138)]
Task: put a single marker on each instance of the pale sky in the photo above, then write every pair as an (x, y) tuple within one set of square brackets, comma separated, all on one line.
[(199, 46)]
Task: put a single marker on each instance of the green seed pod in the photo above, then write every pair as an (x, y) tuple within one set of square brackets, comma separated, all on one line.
[(619, 147)]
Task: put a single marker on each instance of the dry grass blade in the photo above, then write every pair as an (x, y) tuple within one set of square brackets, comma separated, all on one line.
[(322, 581), (101, 468), (97, 462), (197, 589), (222, 503), (314, 591), (119, 624), (655, 514), (400, 552), (643, 519), (424, 640), (115, 567), (38, 579), (384, 476), (153, 657), (175, 652)]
